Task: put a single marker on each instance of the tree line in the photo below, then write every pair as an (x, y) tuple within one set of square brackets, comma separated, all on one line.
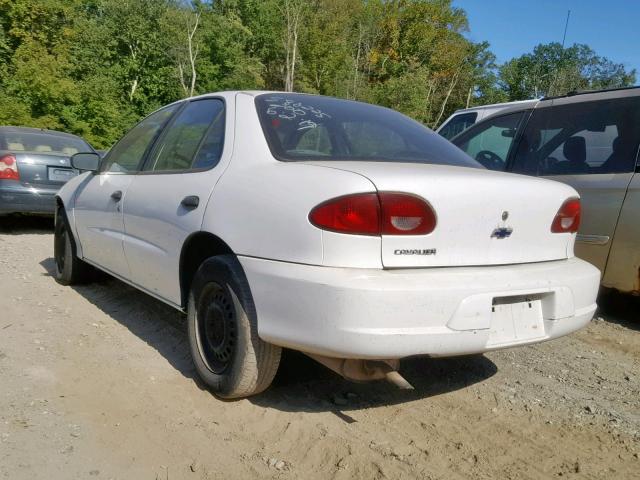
[(95, 67)]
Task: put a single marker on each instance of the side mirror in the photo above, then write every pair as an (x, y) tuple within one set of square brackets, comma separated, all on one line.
[(86, 161)]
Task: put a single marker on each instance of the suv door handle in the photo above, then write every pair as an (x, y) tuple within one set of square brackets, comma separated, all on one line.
[(117, 195), (192, 201)]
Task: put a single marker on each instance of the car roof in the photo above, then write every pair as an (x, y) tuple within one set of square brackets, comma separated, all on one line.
[(12, 129), (568, 98), (618, 91), (501, 106)]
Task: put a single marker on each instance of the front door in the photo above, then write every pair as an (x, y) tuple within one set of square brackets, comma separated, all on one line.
[(490, 142), (167, 200), (591, 146), (99, 201)]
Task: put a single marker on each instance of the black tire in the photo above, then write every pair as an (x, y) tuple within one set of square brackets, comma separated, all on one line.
[(228, 355), (69, 269)]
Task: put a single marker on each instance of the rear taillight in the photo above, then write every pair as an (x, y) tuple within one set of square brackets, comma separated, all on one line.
[(404, 214), (9, 168), (357, 214), (568, 217), (385, 213)]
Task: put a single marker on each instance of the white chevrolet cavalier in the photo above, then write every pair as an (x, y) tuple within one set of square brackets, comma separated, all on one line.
[(341, 229)]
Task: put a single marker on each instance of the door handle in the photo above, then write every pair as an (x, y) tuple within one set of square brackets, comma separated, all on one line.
[(192, 201), (117, 195)]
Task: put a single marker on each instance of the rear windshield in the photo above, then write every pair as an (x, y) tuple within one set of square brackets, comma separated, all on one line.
[(307, 127), (42, 143)]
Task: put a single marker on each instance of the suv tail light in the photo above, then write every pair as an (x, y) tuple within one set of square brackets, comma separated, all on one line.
[(568, 217), (384, 213), (9, 168)]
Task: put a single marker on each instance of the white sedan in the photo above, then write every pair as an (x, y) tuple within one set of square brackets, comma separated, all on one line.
[(341, 229)]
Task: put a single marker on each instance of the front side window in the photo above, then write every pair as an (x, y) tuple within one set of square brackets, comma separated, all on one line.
[(302, 127), (490, 141), (581, 139), (184, 146), (126, 155), (458, 124)]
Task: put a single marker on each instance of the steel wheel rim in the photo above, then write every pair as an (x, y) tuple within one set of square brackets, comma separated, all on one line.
[(216, 332)]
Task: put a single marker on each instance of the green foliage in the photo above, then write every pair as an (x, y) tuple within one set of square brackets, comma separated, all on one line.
[(95, 67), (551, 70)]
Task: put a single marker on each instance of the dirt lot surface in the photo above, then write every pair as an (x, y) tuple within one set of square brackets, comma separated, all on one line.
[(96, 382)]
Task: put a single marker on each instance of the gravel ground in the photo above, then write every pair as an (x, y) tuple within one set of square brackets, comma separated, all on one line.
[(96, 382)]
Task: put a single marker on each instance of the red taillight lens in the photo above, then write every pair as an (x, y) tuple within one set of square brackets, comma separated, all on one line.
[(404, 214), (568, 217), (357, 214), (9, 168), (375, 214)]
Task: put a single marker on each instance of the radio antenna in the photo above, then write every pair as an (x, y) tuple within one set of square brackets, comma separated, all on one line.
[(566, 25)]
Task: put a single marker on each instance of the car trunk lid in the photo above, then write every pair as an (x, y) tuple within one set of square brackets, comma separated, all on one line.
[(483, 217), (44, 169)]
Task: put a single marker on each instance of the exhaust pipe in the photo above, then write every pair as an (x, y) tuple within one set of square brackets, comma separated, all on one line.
[(358, 370)]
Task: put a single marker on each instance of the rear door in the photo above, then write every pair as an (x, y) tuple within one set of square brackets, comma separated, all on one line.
[(623, 266), (590, 145), (98, 206), (167, 200)]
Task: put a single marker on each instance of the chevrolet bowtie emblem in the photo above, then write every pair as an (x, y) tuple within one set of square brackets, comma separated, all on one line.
[(502, 232)]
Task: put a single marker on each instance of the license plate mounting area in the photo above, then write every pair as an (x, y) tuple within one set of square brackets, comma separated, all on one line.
[(516, 319)]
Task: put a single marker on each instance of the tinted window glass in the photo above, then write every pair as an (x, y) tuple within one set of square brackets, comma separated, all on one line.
[(458, 124), (315, 141), (308, 127), (126, 155), (582, 138), (184, 136), (22, 141), (370, 139), (489, 142)]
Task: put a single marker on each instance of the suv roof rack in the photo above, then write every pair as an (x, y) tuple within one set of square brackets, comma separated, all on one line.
[(585, 92)]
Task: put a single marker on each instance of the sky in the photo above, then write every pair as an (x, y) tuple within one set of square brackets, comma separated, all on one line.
[(514, 27)]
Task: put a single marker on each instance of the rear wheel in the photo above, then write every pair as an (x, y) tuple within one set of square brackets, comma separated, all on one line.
[(69, 269), (228, 354)]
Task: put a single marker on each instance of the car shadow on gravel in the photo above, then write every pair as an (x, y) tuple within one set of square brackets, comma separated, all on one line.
[(301, 383), (159, 325), (18, 225), (620, 308)]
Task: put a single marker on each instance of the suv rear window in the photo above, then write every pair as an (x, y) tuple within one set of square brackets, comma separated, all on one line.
[(302, 127)]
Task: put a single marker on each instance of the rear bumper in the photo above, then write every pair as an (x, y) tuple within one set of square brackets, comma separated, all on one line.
[(383, 314), (21, 199)]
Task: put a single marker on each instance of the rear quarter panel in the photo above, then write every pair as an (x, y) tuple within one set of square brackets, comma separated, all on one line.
[(260, 206)]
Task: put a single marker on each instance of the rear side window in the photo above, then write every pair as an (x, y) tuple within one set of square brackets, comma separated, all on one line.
[(581, 139), (23, 141), (193, 140), (302, 127), (458, 124)]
